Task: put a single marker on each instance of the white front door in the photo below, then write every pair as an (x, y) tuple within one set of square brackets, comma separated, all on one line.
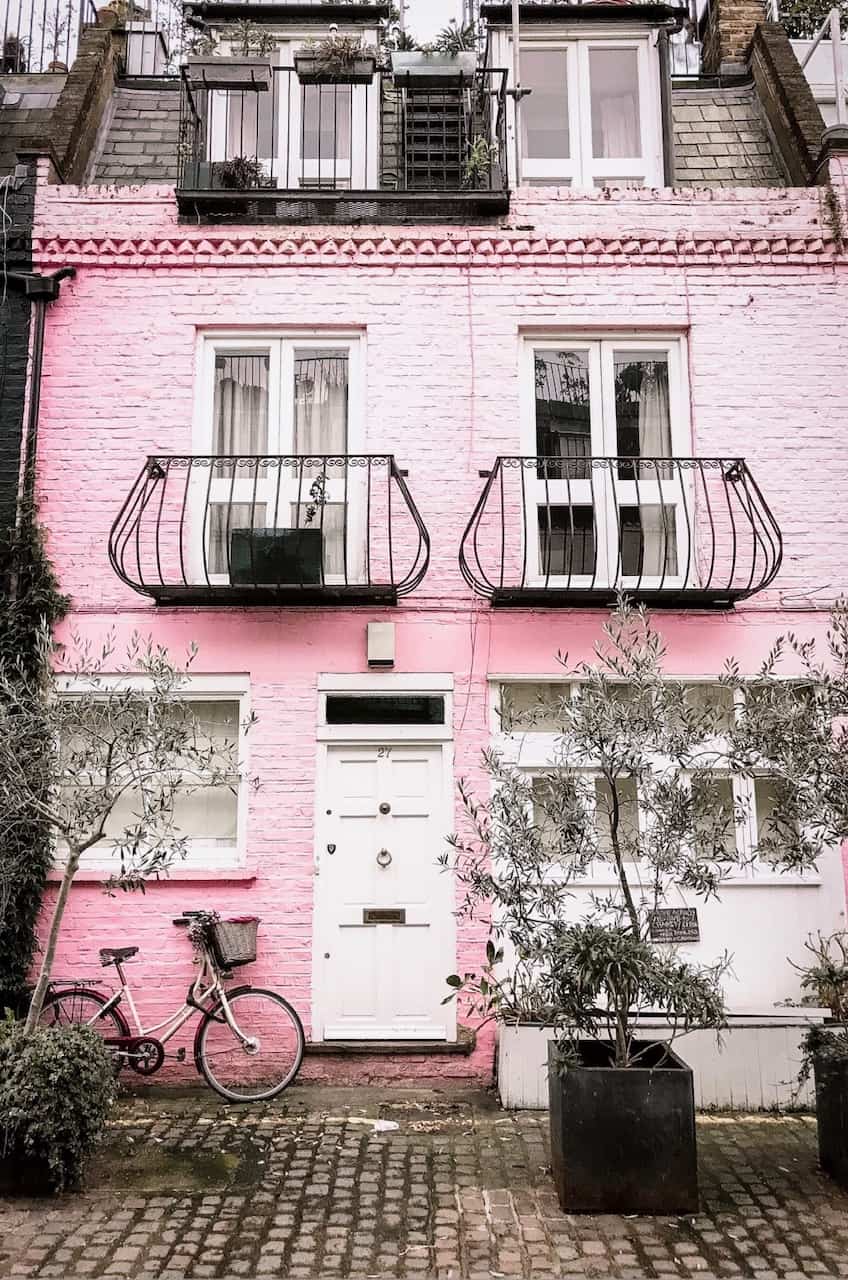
[(384, 904)]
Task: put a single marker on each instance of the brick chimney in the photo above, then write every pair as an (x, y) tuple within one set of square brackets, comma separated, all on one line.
[(729, 32)]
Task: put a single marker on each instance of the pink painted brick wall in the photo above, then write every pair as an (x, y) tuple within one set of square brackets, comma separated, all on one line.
[(764, 309)]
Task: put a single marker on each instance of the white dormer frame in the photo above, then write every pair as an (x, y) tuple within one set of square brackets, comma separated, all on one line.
[(582, 170)]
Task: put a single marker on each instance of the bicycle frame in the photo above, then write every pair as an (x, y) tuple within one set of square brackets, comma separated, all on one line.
[(206, 986)]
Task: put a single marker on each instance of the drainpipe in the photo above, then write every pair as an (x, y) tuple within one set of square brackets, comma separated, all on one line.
[(41, 290)]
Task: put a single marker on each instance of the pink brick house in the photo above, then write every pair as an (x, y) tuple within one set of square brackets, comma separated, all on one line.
[(357, 433)]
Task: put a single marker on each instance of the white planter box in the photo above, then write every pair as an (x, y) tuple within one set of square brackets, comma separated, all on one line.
[(755, 1069), (433, 70), (229, 73), (147, 53)]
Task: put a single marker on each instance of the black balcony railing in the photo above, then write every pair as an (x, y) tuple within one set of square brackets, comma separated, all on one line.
[(264, 529), (693, 532), (42, 36), (366, 147)]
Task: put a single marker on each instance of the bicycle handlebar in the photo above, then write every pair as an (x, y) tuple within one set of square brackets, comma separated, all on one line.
[(187, 917)]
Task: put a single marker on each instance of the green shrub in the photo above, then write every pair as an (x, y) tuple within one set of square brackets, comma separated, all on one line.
[(57, 1087)]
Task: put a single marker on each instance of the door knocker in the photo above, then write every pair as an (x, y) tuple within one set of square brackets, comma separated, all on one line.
[(383, 858)]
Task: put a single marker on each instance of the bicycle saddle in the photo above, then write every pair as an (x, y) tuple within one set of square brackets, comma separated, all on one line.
[(108, 955)]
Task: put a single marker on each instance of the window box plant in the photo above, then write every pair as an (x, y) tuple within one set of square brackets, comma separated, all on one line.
[(241, 173), (247, 65), (631, 815), (451, 60), (336, 60)]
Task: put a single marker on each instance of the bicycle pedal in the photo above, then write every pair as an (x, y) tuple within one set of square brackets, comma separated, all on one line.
[(180, 1055)]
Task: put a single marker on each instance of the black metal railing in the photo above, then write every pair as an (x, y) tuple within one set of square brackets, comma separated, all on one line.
[(381, 136), (41, 36), (693, 531), (266, 528)]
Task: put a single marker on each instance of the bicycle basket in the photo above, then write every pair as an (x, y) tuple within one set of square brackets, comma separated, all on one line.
[(234, 941)]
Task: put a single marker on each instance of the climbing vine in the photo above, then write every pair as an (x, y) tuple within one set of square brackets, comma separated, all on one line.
[(30, 602)]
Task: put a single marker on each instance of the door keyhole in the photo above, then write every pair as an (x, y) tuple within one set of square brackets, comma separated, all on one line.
[(385, 807)]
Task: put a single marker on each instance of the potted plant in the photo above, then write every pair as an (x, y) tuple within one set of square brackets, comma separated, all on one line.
[(825, 1053), (282, 557), (247, 65), (241, 173), (449, 61), (482, 168), (585, 866), (336, 60)]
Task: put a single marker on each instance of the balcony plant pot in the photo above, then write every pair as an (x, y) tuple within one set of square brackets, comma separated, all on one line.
[(416, 70), (250, 72), (312, 69), (830, 1072), (271, 557), (623, 1138)]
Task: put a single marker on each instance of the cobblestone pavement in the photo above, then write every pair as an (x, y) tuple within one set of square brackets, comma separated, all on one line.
[(312, 1187)]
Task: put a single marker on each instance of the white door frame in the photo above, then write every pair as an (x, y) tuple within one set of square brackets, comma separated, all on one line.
[(392, 735)]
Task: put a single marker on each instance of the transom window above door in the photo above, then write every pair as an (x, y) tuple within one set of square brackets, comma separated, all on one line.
[(592, 117)]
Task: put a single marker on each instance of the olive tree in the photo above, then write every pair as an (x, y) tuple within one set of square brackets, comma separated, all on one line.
[(639, 788), (123, 747)]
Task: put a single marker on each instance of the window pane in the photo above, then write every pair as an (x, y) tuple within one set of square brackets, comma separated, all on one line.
[(329, 517), (614, 89), (715, 813), (716, 698), (566, 540), (224, 517), (642, 414), (533, 704), (769, 798), (648, 542), (628, 817), (250, 124), (321, 381), (204, 813), (240, 413), (563, 427), (326, 123), (544, 112)]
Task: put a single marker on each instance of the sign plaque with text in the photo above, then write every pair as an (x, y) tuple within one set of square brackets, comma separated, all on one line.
[(675, 924)]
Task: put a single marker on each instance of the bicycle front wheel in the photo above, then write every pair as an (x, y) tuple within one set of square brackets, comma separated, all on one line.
[(263, 1058)]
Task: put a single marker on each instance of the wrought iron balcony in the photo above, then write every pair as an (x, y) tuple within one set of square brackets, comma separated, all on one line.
[(379, 150), (688, 532), (264, 529)]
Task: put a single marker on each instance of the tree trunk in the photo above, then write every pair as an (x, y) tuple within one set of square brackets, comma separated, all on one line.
[(49, 954)]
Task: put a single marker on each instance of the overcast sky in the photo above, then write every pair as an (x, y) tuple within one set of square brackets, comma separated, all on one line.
[(425, 17)]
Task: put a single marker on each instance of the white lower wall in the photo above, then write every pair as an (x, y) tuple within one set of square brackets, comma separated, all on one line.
[(755, 1067)]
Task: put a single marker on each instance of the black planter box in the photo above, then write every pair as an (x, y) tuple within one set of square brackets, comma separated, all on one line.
[(623, 1139), (266, 557), (310, 71), (831, 1077), (24, 1175)]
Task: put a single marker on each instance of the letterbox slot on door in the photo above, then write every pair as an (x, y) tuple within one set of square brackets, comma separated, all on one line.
[(384, 915)]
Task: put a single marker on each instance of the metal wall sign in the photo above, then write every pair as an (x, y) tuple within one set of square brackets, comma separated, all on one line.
[(675, 924), (384, 915)]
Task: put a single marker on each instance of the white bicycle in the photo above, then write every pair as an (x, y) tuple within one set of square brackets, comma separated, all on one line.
[(249, 1042)]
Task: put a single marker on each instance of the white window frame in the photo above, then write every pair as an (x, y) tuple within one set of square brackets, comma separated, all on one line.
[(232, 688), (582, 169), (292, 170), (280, 346), (533, 752), (610, 491)]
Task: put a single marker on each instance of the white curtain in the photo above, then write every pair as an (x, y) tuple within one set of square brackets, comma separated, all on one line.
[(320, 415), (617, 122), (241, 405), (654, 414), (659, 549)]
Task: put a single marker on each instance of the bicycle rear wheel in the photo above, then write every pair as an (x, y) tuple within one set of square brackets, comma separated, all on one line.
[(267, 1063), (79, 1007)]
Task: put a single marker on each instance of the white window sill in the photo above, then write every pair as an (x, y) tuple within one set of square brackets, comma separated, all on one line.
[(753, 882), (210, 875)]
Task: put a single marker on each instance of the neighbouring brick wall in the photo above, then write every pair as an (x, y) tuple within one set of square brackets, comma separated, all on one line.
[(787, 100), (140, 142), (15, 311), (721, 139), (79, 111), (730, 29)]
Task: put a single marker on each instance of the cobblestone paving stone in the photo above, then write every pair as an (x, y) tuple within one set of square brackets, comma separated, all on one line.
[(307, 1187)]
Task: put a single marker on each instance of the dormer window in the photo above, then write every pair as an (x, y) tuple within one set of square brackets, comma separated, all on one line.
[(593, 116)]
